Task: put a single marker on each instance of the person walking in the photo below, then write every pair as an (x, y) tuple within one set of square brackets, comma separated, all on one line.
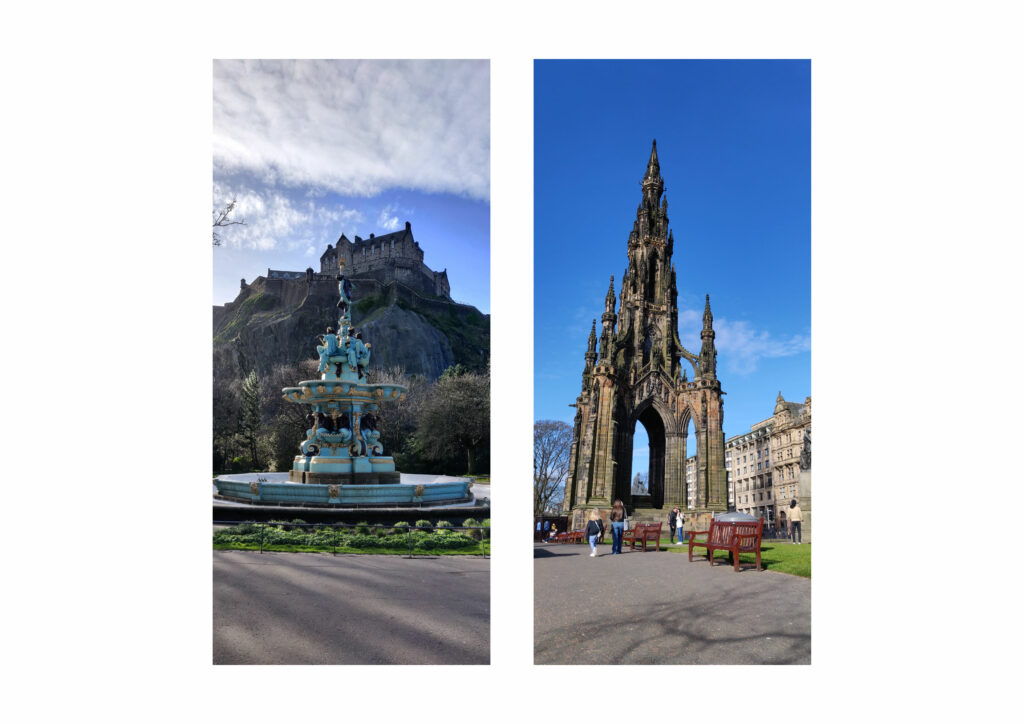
[(679, 526), (672, 523), (595, 531), (618, 520), (795, 519)]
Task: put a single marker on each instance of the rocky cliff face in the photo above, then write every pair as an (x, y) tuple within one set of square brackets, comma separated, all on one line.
[(276, 321)]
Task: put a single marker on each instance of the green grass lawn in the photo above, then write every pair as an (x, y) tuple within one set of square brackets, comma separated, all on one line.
[(775, 556)]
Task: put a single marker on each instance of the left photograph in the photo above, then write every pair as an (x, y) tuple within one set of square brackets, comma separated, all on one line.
[(351, 358)]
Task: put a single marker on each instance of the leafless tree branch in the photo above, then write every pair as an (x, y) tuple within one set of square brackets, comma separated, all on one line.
[(221, 218)]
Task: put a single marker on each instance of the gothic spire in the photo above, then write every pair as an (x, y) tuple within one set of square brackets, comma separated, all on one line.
[(651, 216), (609, 298), (591, 355), (708, 354), (653, 169)]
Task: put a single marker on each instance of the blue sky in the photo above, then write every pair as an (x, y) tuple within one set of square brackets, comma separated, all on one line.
[(313, 149), (734, 148)]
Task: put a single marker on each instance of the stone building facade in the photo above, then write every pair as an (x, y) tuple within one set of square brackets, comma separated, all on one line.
[(791, 431), (764, 464), (635, 374), (751, 473)]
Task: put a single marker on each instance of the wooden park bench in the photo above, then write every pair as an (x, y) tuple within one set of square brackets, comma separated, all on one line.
[(643, 533), (628, 536), (733, 536), (572, 536)]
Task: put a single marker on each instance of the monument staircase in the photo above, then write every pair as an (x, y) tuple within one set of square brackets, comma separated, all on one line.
[(643, 514)]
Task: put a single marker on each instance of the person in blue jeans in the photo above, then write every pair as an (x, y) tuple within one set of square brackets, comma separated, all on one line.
[(595, 531), (618, 520), (679, 526)]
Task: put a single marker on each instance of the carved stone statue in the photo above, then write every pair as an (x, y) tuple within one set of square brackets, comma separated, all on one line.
[(328, 348), (358, 353), (368, 427), (805, 454), (344, 293)]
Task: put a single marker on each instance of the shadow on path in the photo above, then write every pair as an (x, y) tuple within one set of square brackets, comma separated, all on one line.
[(633, 609), (300, 608)]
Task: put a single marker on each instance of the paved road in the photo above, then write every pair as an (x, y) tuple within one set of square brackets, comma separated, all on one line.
[(658, 608), (305, 608)]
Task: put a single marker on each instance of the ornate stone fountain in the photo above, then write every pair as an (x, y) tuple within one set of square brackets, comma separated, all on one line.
[(342, 445), (341, 461)]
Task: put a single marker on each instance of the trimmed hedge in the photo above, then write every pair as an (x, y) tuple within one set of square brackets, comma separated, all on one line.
[(328, 537)]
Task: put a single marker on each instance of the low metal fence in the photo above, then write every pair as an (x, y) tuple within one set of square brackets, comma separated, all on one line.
[(482, 533)]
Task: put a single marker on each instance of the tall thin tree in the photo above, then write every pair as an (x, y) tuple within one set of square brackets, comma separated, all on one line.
[(250, 421)]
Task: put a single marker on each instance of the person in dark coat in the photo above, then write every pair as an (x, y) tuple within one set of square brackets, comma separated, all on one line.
[(595, 531)]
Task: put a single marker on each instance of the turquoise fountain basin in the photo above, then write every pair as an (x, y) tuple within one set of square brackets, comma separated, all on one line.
[(263, 489)]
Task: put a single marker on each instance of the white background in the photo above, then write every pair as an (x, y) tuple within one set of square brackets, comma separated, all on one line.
[(916, 300)]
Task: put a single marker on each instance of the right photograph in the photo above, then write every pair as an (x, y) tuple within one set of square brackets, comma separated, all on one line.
[(672, 362)]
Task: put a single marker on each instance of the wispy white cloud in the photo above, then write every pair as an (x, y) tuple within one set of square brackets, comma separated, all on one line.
[(273, 220), (740, 346), (388, 219), (355, 127)]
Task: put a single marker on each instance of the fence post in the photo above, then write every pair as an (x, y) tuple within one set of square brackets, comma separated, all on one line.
[(410, 541), (261, 538)]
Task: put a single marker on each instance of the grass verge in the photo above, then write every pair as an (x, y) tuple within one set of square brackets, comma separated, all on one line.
[(781, 557)]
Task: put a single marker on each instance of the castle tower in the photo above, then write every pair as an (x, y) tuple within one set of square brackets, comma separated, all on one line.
[(639, 377)]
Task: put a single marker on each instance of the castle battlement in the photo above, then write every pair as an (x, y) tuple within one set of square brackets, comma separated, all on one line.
[(394, 256)]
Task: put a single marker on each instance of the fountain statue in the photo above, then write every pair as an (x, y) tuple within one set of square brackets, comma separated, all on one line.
[(341, 461), (342, 446)]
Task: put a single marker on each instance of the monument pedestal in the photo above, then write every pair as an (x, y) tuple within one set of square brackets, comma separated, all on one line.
[(805, 504)]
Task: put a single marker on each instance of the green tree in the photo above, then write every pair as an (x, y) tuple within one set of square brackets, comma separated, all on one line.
[(456, 371), (250, 422), (226, 413)]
